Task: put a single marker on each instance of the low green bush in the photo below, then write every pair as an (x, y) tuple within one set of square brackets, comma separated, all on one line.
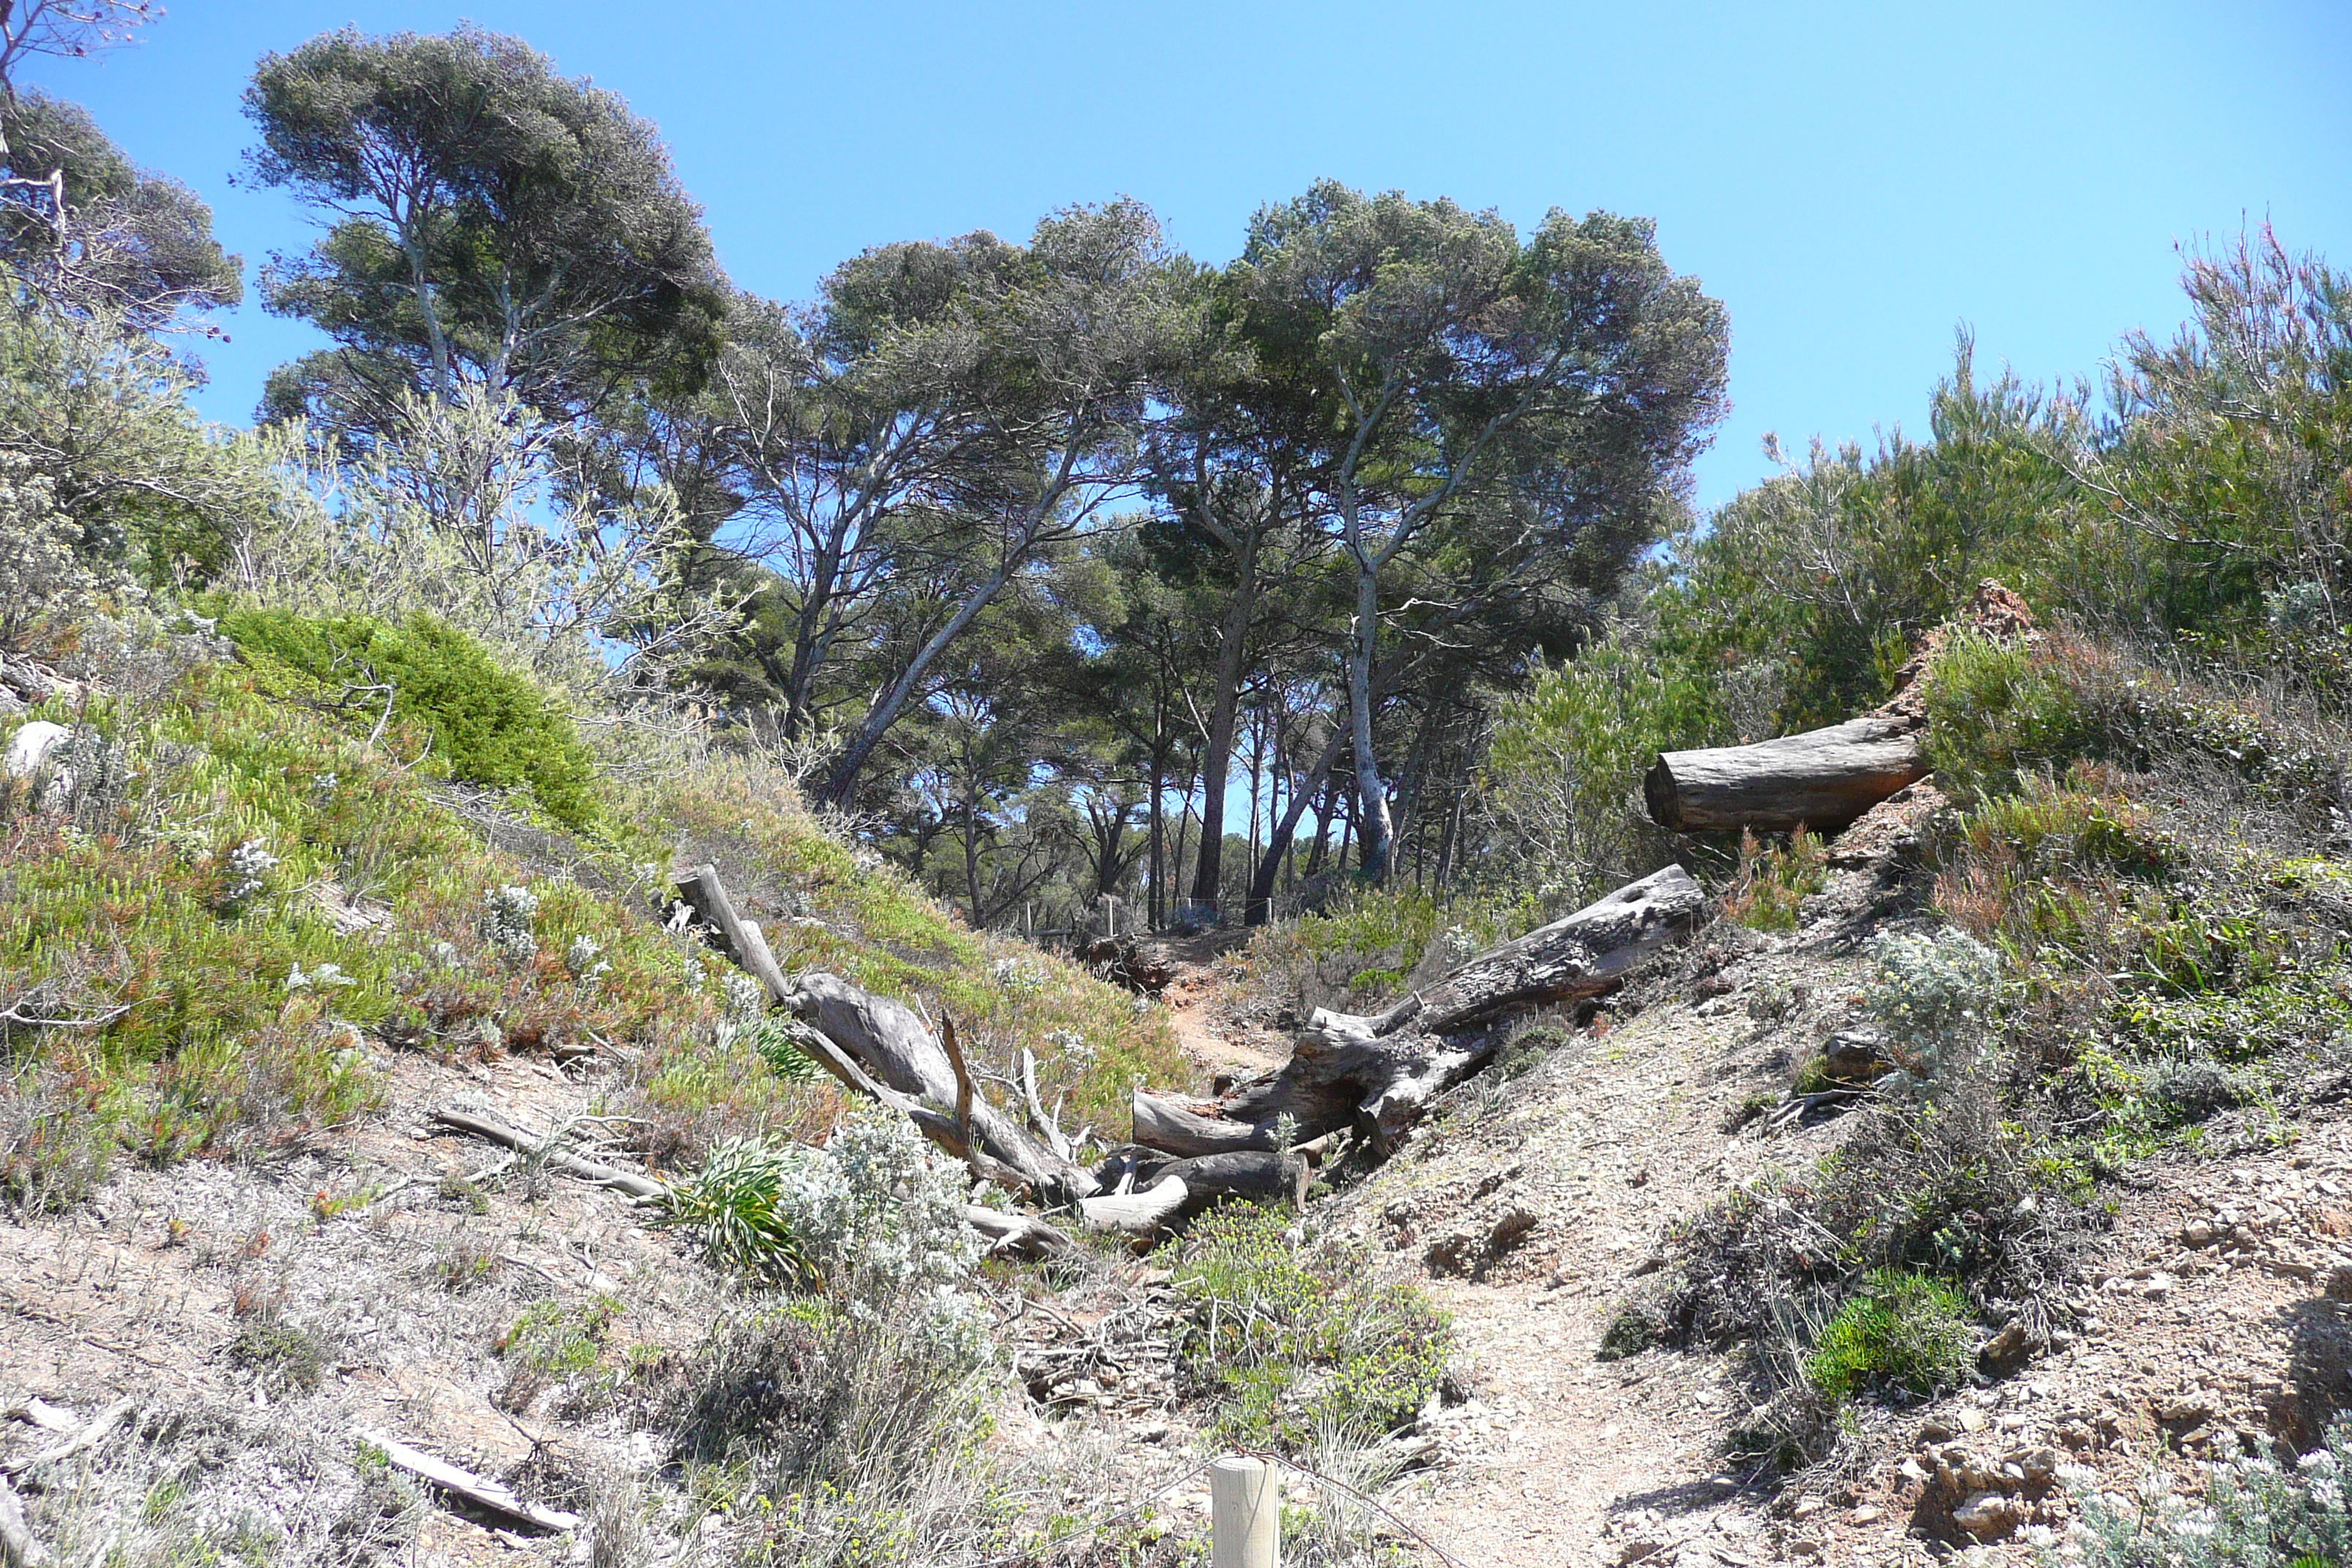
[(489, 725), (1901, 1331), (1290, 1341), (1996, 710)]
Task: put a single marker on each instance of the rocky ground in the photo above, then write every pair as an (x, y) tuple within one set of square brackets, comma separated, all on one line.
[(258, 1316)]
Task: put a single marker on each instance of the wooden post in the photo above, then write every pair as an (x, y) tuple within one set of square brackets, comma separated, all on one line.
[(1245, 1514)]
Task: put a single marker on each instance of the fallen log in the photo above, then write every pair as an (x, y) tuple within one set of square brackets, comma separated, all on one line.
[(1179, 1125), (1146, 1213), (1023, 1236), (1166, 1190), (491, 1495), (880, 1049), (1383, 1071), (1577, 955), (891, 1044), (1822, 779)]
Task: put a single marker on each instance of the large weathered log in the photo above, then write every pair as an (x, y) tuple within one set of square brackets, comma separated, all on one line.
[(1166, 1190), (891, 1044), (881, 1049), (1385, 1070), (1181, 1126), (1822, 779)]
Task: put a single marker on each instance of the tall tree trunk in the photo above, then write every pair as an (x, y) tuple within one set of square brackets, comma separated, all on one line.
[(1371, 814), (1260, 905), (842, 780), (1224, 705), (1158, 851)]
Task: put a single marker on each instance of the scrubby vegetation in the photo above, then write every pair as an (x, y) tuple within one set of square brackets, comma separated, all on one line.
[(1302, 1346), (381, 733)]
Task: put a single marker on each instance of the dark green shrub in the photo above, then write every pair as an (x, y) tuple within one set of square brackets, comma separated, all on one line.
[(1995, 709), (489, 725), (1904, 1331)]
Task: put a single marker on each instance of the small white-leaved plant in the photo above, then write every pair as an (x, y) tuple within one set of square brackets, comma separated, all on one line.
[(2265, 1507), (583, 960), (509, 921), (249, 868), (325, 977), (875, 1214), (1933, 995)]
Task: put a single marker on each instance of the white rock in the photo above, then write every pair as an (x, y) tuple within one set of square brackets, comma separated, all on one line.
[(30, 747)]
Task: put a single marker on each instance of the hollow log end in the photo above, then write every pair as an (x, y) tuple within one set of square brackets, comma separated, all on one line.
[(1659, 795)]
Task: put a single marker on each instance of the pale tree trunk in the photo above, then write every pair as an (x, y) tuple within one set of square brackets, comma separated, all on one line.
[(1224, 707), (1373, 825)]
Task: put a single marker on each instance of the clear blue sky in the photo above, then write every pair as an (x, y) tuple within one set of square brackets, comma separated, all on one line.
[(1854, 181)]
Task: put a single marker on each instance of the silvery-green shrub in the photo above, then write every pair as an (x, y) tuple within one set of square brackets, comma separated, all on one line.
[(1932, 994)]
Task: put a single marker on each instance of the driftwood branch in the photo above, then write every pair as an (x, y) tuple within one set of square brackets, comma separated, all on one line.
[(88, 1438), (488, 1495), (880, 1049), (521, 1142)]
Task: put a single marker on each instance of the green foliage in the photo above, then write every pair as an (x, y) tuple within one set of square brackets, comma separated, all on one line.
[(559, 248), (1996, 710), (102, 414), (867, 922), (1565, 769), (1369, 943), (193, 1021), (1290, 1341), (2258, 1509), (488, 726), (1804, 594), (733, 1209), (132, 242), (281, 1355), (1902, 1331), (550, 1341)]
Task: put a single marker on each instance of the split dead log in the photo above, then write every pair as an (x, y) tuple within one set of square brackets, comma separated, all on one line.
[(1023, 1236), (1386, 1069), (489, 1496), (880, 1049), (1146, 1213), (1166, 1190), (1822, 779), (1180, 1125)]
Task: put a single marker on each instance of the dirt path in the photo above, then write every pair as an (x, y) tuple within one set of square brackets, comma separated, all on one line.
[(1529, 1208), (1602, 1146)]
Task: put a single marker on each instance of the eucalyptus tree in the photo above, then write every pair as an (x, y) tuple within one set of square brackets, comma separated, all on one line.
[(1452, 359), (489, 222)]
